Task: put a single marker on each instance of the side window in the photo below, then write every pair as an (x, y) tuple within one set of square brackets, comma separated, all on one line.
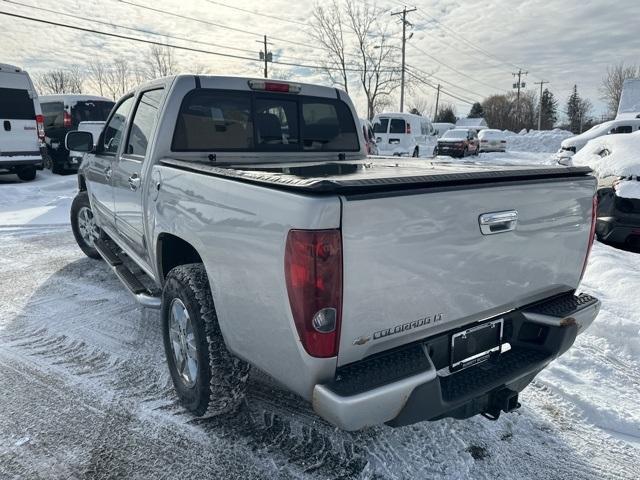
[(623, 129), (143, 121), (114, 130)]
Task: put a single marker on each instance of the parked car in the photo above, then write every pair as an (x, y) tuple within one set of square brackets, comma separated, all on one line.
[(380, 291), (439, 129), (62, 114), (404, 134), (573, 144), (21, 130), (492, 140), (369, 136), (615, 160), (459, 142)]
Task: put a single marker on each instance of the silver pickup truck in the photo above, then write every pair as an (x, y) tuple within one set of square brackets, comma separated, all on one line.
[(381, 290)]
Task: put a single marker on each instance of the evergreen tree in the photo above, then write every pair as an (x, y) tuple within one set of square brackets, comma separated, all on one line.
[(577, 111), (549, 110), (446, 115), (476, 111)]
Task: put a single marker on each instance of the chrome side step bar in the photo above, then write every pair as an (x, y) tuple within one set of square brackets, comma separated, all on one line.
[(142, 295)]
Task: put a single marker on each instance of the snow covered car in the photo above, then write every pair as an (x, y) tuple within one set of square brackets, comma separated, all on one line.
[(616, 161), (575, 143), (492, 140), (62, 114)]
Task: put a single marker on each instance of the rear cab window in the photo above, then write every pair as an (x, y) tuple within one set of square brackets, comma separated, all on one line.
[(211, 120), (16, 104)]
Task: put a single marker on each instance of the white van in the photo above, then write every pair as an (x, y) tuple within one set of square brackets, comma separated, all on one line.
[(21, 124), (404, 134), (573, 144)]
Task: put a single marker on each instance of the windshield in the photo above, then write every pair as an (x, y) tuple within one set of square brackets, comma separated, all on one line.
[(210, 120), (455, 134)]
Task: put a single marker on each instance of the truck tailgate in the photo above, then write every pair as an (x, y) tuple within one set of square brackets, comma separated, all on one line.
[(416, 263)]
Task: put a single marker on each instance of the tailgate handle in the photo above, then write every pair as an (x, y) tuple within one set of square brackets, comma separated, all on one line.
[(7, 126), (498, 222)]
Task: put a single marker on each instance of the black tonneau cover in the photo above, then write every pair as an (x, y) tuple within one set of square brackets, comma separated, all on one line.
[(371, 175)]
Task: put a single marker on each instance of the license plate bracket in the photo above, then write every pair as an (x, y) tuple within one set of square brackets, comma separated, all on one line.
[(476, 344)]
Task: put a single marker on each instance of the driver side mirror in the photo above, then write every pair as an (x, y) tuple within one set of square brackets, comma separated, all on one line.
[(79, 141)]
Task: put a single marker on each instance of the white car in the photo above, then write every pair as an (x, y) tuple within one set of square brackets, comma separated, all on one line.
[(492, 140), (21, 124), (573, 144), (404, 134)]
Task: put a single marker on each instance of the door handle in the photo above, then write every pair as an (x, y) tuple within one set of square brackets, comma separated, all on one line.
[(498, 222), (134, 182), (107, 173)]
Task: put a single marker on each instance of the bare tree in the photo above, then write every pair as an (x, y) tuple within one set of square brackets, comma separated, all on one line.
[(118, 78), (418, 106), (375, 54), (329, 27), (611, 87), (60, 81), (160, 62), (97, 76)]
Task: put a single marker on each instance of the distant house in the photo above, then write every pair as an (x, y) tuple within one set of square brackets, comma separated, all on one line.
[(473, 123)]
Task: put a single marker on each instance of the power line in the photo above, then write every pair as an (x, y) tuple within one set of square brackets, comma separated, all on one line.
[(261, 14), (453, 85), (453, 69), (164, 44), (214, 24), (444, 92)]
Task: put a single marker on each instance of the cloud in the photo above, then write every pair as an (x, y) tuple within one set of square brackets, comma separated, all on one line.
[(562, 41)]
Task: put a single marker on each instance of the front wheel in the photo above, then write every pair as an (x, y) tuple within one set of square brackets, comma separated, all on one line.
[(208, 379), (83, 223)]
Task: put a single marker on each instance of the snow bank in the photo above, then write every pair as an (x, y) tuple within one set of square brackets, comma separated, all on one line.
[(617, 155), (536, 140)]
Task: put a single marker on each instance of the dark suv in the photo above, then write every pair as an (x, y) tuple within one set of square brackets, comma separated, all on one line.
[(459, 142), (63, 113), (618, 219)]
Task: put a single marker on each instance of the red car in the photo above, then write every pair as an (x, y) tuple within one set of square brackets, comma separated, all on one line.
[(459, 142)]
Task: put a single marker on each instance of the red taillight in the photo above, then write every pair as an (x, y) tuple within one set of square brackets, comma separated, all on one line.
[(592, 233), (66, 120), (40, 126), (313, 272), (408, 129)]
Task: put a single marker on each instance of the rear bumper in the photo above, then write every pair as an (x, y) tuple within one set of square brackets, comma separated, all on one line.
[(611, 229), (413, 384), (446, 150), (17, 160)]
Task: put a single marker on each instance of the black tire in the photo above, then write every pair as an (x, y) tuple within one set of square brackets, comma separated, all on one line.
[(218, 388), (416, 152), (80, 202), (56, 168), (26, 174)]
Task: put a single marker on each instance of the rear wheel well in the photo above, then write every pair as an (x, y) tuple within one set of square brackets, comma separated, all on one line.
[(172, 252)]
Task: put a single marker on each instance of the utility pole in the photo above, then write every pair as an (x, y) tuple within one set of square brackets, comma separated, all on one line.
[(266, 56), (541, 83), (404, 43), (435, 115), (519, 85)]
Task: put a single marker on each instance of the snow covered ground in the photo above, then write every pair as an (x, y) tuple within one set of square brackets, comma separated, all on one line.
[(85, 392)]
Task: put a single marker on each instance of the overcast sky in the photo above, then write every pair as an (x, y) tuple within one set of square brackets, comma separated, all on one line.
[(561, 41)]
